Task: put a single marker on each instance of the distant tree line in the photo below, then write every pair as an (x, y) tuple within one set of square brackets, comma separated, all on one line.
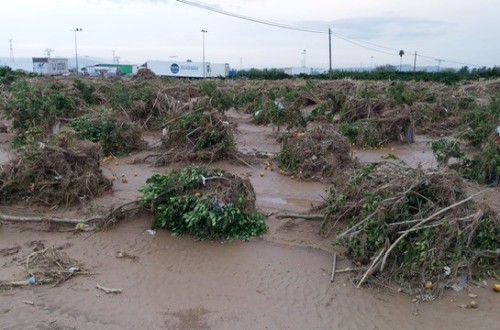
[(384, 72)]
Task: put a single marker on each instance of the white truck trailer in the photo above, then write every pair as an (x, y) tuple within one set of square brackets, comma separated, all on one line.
[(188, 69)]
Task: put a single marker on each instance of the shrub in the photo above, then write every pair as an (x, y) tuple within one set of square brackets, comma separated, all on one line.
[(204, 203)]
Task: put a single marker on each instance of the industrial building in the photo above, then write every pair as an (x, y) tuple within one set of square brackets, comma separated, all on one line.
[(50, 66)]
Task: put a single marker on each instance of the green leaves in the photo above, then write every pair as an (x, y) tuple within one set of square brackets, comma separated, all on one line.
[(183, 204)]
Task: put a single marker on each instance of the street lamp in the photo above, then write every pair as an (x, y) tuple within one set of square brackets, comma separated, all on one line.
[(76, 49), (204, 31), (304, 64)]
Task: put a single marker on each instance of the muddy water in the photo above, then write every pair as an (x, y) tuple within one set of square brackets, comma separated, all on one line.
[(279, 282), (177, 283)]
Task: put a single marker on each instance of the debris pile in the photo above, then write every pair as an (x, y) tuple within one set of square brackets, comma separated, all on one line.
[(46, 266), (315, 154), (62, 172), (412, 225), (116, 134), (196, 136), (204, 203)]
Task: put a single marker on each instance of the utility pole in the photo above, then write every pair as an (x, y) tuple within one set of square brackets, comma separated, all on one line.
[(76, 49), (439, 63), (330, 49), (47, 52), (203, 32), (415, 63), (11, 51), (304, 62)]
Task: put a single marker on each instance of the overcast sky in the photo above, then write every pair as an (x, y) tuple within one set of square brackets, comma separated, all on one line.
[(140, 30)]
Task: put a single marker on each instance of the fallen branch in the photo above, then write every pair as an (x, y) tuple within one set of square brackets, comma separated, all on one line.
[(349, 269), (356, 225), (108, 290), (23, 283), (48, 219), (300, 216), (424, 221), (334, 266), (372, 268)]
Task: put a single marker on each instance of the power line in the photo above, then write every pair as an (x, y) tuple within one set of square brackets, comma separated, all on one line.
[(290, 27), (256, 20), (354, 41)]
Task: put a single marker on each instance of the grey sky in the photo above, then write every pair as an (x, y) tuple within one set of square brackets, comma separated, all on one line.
[(462, 31)]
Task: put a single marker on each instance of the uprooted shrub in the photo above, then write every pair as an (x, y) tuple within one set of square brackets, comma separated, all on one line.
[(379, 127), (204, 203), (61, 172), (412, 225), (196, 136), (115, 134), (33, 104), (316, 154), (483, 133)]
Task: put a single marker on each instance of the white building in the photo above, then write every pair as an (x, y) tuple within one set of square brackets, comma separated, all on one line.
[(50, 66)]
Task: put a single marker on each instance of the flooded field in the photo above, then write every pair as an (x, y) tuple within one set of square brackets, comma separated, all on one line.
[(279, 281)]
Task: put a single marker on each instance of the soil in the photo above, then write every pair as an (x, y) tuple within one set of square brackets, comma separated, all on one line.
[(281, 281)]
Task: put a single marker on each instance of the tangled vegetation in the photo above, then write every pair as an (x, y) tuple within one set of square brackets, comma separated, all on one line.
[(409, 225), (481, 131), (116, 135), (62, 171), (196, 136), (204, 203), (316, 154)]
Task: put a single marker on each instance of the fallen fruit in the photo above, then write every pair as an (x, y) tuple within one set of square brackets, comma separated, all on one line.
[(197, 194), (428, 285), (473, 304), (262, 173), (135, 174), (496, 287)]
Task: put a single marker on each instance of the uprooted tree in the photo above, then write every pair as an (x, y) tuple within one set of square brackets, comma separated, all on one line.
[(316, 154), (195, 136), (410, 225), (62, 171), (204, 203)]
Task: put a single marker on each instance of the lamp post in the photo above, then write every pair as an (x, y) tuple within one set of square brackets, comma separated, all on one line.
[(304, 63), (76, 49), (204, 31)]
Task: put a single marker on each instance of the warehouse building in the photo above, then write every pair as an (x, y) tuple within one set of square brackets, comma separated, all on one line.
[(50, 66)]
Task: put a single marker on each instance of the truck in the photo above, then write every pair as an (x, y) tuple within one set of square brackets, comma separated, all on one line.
[(188, 69)]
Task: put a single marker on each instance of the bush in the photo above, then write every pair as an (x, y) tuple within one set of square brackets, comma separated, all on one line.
[(37, 106), (116, 136), (204, 203)]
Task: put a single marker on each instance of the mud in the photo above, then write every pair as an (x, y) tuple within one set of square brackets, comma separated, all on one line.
[(281, 281)]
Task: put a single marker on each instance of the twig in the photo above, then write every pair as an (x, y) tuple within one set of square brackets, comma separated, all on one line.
[(23, 283), (108, 290), (422, 222), (241, 160), (372, 268), (42, 218), (334, 266), (356, 225), (300, 216), (349, 269)]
